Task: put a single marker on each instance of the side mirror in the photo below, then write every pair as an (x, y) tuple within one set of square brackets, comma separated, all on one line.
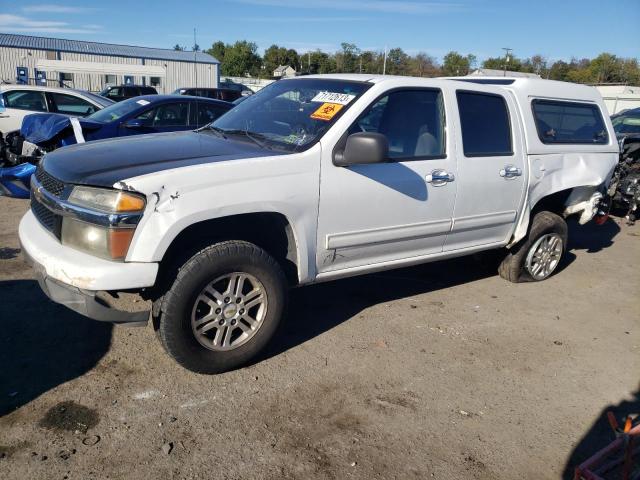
[(363, 148), (134, 123)]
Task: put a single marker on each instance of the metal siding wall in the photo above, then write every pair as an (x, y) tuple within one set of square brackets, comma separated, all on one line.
[(178, 74), (182, 74), (94, 81), (12, 58)]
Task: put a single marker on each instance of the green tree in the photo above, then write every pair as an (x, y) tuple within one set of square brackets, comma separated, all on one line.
[(347, 59), (241, 59), (371, 62), (454, 64), (274, 56), (397, 62), (321, 62), (509, 63), (217, 51), (559, 70), (178, 47)]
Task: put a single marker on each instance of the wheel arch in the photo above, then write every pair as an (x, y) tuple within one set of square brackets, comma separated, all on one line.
[(271, 231)]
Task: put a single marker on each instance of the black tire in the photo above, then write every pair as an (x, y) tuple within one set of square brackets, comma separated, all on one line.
[(512, 267), (175, 330)]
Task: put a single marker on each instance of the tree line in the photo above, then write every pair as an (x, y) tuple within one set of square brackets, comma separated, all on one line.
[(242, 59)]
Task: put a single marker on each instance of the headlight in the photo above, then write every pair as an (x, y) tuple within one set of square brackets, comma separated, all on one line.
[(111, 201), (104, 242)]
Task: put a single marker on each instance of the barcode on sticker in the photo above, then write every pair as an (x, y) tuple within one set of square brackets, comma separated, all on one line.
[(333, 97)]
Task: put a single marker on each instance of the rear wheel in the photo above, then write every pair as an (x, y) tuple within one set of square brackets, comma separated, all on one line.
[(223, 308), (538, 255)]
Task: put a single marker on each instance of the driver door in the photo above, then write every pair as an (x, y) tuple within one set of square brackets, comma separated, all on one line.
[(373, 214)]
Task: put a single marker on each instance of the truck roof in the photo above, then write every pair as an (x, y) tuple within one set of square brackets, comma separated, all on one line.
[(521, 86)]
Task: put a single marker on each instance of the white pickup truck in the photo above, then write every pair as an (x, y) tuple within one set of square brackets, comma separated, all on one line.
[(313, 179)]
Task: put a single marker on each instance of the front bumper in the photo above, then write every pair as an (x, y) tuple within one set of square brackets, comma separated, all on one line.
[(73, 278)]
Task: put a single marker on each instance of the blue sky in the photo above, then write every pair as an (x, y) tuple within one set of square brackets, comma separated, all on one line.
[(558, 29)]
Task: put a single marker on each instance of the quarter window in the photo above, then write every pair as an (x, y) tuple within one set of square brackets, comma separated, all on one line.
[(412, 120), (486, 130), (569, 122), (25, 100)]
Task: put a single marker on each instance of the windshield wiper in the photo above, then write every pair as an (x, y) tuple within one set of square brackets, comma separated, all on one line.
[(256, 138), (219, 131)]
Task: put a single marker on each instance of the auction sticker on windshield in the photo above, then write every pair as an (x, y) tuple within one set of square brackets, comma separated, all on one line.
[(333, 97), (326, 111)]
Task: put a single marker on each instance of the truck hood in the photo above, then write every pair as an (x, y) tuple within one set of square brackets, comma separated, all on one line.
[(104, 163)]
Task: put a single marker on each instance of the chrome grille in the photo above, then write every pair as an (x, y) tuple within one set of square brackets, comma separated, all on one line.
[(49, 183)]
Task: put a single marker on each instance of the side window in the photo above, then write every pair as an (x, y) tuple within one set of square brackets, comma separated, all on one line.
[(131, 92), (207, 113), (569, 122), (114, 92), (25, 100), (412, 120), (147, 117), (169, 115), (71, 105), (486, 129)]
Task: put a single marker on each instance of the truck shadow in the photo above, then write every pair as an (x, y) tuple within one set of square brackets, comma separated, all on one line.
[(318, 308), (591, 237), (600, 434), (42, 345)]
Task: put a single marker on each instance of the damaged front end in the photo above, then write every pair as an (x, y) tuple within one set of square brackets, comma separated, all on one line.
[(22, 150)]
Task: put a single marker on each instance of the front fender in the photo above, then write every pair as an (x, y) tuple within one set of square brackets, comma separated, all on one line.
[(15, 181), (176, 199)]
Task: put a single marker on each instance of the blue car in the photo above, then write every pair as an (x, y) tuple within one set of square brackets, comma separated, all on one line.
[(44, 132)]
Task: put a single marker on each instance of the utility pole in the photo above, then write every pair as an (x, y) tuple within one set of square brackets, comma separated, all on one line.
[(507, 52), (384, 64), (195, 62)]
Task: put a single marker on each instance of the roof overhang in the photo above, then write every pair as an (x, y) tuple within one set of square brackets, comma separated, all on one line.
[(68, 66)]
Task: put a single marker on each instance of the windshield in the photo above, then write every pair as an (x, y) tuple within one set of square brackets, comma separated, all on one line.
[(293, 114), (118, 110), (102, 101), (624, 124)]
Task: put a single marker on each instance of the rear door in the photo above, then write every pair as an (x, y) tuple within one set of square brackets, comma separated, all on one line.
[(491, 169)]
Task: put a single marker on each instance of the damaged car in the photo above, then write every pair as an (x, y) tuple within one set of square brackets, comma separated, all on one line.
[(43, 133), (314, 179)]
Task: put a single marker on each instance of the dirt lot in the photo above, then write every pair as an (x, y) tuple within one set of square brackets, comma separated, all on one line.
[(440, 371)]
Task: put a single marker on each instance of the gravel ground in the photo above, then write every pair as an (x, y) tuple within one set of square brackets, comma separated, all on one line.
[(439, 371)]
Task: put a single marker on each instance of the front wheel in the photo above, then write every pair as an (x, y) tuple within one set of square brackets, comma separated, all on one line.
[(224, 306), (538, 255)]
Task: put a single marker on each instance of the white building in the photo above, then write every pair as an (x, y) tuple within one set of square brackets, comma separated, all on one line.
[(619, 97), (91, 65), (284, 71)]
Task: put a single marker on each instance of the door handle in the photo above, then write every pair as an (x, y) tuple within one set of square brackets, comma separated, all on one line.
[(440, 177), (510, 171)]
